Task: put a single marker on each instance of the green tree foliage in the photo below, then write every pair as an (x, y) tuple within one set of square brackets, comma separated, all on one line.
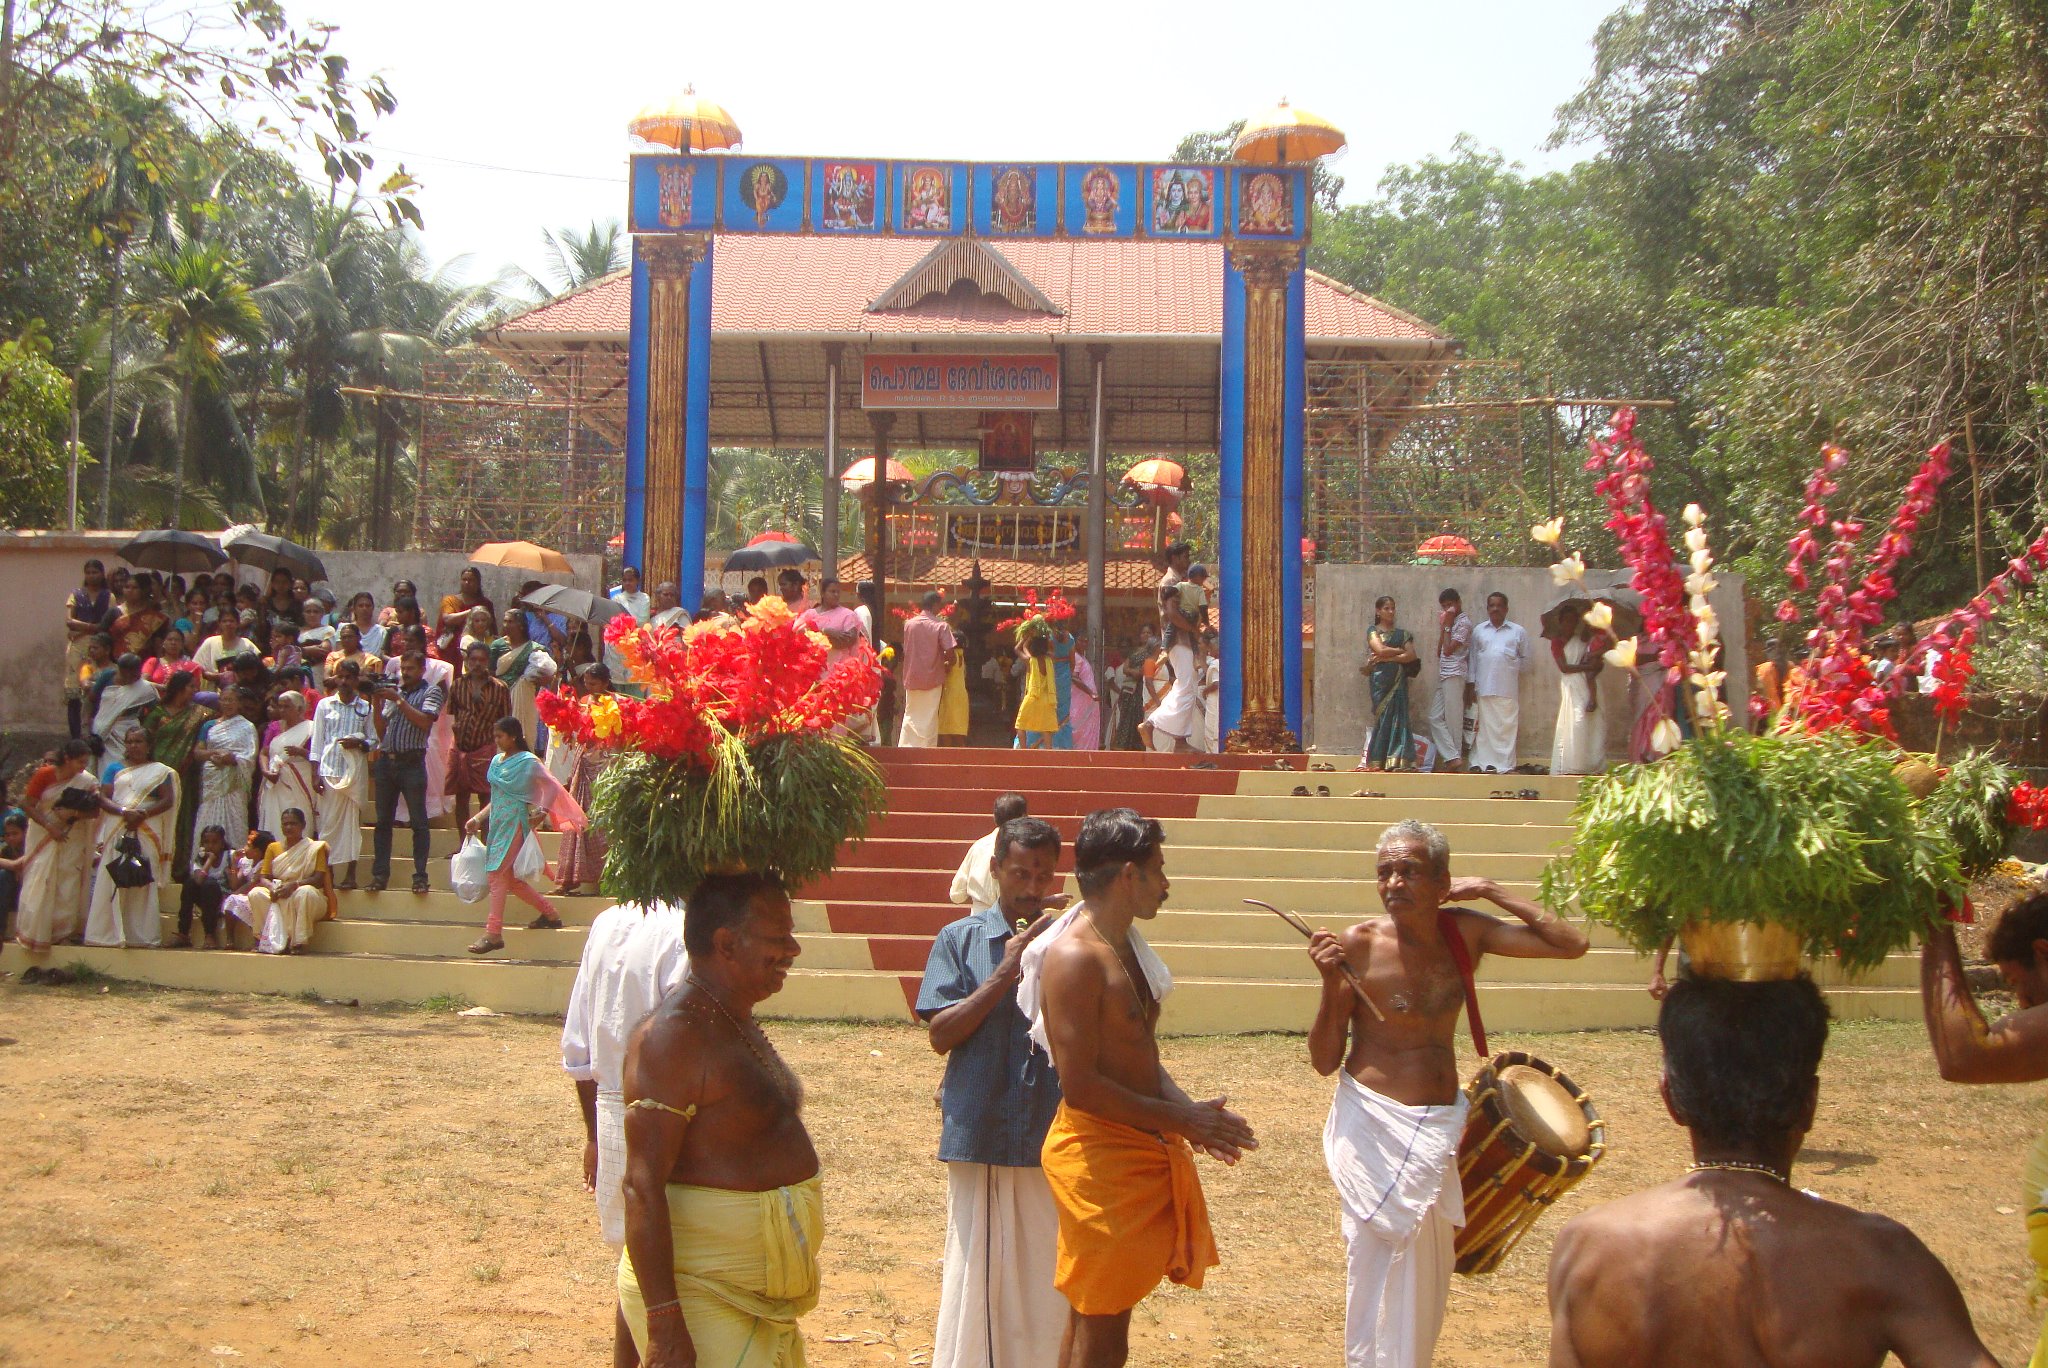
[(35, 402)]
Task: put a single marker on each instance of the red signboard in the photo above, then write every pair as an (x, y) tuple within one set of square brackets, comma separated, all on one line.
[(980, 380)]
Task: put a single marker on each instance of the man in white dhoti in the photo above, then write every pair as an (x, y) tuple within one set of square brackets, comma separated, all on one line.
[(343, 732), (974, 882), (1499, 654), (998, 1307), (1447, 703), (1391, 1142), (632, 959), (1176, 724), (142, 802), (927, 651)]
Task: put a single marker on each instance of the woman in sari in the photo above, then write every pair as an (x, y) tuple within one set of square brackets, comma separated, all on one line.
[(524, 668), (293, 888), (139, 624), (520, 785), (57, 859), (173, 728), (1063, 686), (953, 715), (169, 659), (478, 629), (582, 860), (1390, 651), (455, 610), (348, 646), (1085, 722), (1579, 746), (142, 802), (226, 756), (288, 764)]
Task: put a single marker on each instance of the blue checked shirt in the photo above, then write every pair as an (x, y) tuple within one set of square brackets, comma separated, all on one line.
[(999, 1096)]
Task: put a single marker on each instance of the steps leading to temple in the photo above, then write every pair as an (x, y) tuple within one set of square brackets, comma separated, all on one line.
[(1233, 832)]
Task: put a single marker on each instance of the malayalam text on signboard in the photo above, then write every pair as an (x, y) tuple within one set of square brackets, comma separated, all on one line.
[(978, 381)]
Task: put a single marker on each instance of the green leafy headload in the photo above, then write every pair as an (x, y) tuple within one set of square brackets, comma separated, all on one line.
[(784, 804), (1810, 831), (1969, 808)]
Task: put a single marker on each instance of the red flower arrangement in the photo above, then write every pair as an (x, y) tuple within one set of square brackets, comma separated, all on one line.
[(1039, 617), (2028, 806), (708, 685)]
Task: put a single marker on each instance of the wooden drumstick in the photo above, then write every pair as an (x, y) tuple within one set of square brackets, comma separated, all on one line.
[(1357, 984)]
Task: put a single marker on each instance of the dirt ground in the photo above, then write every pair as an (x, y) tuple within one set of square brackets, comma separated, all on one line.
[(192, 1179)]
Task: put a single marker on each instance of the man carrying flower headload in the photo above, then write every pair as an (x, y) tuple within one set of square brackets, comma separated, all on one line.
[(1729, 1265), (2015, 1050)]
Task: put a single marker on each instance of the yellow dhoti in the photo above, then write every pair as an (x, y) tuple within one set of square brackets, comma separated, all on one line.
[(1131, 1212), (2035, 1178), (746, 1266)]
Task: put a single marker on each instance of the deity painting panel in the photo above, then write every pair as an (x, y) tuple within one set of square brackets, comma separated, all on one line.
[(1016, 201), (1183, 202), (672, 194), (1007, 443), (846, 197), (929, 198), (1269, 203), (762, 196), (1102, 201)]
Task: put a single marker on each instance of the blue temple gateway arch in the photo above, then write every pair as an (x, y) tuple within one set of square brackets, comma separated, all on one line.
[(1167, 302)]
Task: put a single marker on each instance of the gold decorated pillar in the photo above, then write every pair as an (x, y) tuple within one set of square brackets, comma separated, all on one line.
[(669, 261), (1258, 579)]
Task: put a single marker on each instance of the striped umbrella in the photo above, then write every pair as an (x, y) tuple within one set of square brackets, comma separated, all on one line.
[(688, 123), (1284, 136)]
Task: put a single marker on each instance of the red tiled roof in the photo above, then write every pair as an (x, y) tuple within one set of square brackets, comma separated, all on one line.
[(822, 286)]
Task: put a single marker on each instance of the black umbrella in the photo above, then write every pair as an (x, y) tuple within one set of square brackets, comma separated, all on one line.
[(768, 556), (173, 552), (572, 602), (266, 552)]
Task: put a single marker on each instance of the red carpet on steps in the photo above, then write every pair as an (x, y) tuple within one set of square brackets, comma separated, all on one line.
[(891, 888)]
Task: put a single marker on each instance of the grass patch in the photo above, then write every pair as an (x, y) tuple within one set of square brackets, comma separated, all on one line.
[(84, 975), (487, 1273), (443, 1002)]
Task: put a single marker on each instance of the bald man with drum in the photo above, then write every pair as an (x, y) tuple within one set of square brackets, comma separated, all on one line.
[(1391, 1142)]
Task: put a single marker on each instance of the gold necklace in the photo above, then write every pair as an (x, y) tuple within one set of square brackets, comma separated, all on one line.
[(1736, 1166), (784, 1080), (1143, 1010)]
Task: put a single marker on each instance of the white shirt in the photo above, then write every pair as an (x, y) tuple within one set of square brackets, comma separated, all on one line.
[(373, 636), (631, 961), (1453, 666), (334, 719), (974, 884), (670, 617), (639, 605), (1499, 655)]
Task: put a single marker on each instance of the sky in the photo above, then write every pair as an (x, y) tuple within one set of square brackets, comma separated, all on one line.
[(513, 113)]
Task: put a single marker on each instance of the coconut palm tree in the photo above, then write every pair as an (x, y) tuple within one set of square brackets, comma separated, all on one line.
[(126, 201), (198, 302), (576, 259)]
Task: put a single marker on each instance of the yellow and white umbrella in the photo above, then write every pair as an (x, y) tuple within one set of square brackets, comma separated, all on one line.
[(688, 123), (1286, 136)]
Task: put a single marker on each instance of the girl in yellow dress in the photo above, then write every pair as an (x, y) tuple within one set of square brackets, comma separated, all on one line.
[(1038, 715)]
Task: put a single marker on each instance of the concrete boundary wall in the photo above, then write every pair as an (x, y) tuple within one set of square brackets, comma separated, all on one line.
[(1343, 615)]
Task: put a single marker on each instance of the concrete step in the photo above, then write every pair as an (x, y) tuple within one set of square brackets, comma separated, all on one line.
[(1475, 786), (1323, 848), (446, 841), (1379, 813), (974, 757), (997, 776)]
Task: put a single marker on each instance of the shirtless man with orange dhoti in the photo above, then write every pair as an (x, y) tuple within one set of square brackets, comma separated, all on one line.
[(1120, 1155)]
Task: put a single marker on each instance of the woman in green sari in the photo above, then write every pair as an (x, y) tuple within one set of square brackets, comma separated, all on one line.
[(173, 729), (1393, 662), (523, 667)]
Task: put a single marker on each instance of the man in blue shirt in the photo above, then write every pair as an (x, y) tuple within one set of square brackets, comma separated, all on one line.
[(998, 1307)]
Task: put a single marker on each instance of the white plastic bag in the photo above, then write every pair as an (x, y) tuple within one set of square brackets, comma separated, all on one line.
[(528, 863), (466, 871)]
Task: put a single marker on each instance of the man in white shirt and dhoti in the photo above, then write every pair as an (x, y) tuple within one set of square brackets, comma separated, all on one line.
[(343, 733), (998, 1307), (1391, 1142), (632, 959), (927, 651), (1176, 724), (1498, 655), (974, 882)]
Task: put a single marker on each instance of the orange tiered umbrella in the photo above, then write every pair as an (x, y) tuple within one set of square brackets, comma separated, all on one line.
[(1160, 481), (688, 123), (522, 555), (1445, 550)]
